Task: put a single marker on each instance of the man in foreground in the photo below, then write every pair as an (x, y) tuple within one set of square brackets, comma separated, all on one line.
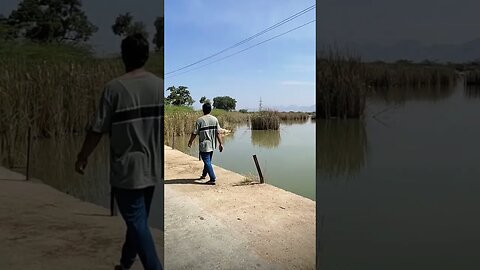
[(130, 110), (208, 130)]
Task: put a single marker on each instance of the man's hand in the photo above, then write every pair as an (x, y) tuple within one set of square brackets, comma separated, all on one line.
[(220, 147), (80, 165), (190, 144)]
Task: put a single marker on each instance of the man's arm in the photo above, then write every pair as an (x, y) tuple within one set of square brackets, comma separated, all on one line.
[(192, 137), (220, 141), (91, 141), (194, 134), (101, 124)]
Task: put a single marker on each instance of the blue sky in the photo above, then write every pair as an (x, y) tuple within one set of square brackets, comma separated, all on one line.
[(281, 72)]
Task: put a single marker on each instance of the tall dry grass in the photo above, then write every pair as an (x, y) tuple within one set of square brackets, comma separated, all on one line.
[(344, 81), (53, 98), (472, 77), (386, 75), (181, 121), (293, 116), (341, 86), (265, 120)]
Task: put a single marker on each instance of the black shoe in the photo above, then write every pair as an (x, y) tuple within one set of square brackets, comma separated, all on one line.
[(202, 177), (210, 182)]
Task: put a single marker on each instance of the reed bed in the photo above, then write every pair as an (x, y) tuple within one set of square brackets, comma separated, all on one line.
[(472, 91), (344, 82), (51, 97), (400, 95), (341, 86), (472, 77), (265, 120), (180, 121), (293, 116), (383, 75)]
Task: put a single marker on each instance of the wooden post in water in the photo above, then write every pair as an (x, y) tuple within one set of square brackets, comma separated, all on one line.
[(258, 169), (113, 209), (27, 174)]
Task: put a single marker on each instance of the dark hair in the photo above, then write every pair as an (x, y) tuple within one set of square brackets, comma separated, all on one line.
[(206, 108), (135, 51)]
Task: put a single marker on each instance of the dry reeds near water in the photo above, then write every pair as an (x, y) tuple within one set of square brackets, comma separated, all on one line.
[(472, 77), (51, 97), (293, 116), (180, 121), (343, 81), (265, 120), (383, 75), (341, 87)]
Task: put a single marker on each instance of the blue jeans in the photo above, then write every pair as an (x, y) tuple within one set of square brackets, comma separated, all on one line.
[(207, 165), (134, 206)]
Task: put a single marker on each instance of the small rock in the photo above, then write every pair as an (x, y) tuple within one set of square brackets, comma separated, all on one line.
[(239, 218), (282, 207), (201, 218)]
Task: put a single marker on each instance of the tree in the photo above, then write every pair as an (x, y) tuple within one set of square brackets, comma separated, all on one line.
[(179, 96), (203, 99), (225, 103), (158, 39), (125, 26), (51, 20)]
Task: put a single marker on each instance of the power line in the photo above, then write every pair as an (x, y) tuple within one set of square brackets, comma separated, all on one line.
[(230, 55), (284, 21)]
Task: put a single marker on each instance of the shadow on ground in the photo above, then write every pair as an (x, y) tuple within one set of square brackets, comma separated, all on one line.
[(185, 181)]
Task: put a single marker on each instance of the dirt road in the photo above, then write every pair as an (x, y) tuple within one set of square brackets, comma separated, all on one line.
[(233, 226)]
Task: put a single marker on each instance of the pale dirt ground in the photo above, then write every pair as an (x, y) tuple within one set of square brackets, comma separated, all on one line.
[(42, 228), (254, 226), (206, 227)]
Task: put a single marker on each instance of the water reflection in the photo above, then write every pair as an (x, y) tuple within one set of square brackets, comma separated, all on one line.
[(401, 95), (266, 138), (341, 147), (53, 162), (472, 91), (294, 122)]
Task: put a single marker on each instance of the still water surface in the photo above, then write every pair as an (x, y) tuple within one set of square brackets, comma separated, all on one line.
[(401, 190), (286, 156)]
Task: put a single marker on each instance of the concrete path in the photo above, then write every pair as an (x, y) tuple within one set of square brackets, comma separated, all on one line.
[(42, 228), (232, 225)]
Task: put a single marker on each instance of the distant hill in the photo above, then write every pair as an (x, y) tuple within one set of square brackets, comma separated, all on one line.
[(414, 51)]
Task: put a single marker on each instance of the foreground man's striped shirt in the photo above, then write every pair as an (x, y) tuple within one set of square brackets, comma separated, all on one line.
[(130, 110)]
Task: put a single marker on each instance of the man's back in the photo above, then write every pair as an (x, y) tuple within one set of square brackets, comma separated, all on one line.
[(135, 104), (207, 128)]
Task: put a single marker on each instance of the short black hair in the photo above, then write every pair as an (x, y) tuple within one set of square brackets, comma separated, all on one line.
[(206, 108), (135, 51)]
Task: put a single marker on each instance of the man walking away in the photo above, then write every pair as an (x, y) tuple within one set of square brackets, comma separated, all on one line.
[(208, 130), (130, 110)]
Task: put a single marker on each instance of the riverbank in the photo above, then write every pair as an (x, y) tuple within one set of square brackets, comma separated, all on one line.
[(233, 225), (43, 228)]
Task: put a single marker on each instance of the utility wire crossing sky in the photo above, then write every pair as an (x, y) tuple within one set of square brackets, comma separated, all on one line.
[(282, 73)]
